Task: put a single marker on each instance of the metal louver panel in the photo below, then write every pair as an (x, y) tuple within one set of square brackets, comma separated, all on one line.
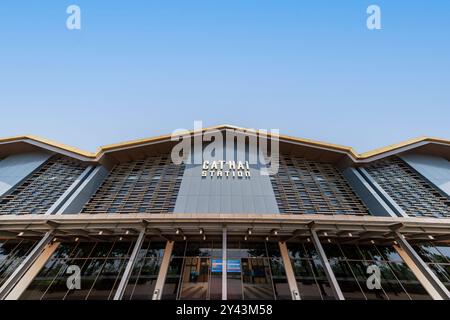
[(143, 186), (43, 187), (408, 189), (307, 187)]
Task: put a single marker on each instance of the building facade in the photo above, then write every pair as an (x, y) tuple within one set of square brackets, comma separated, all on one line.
[(129, 223)]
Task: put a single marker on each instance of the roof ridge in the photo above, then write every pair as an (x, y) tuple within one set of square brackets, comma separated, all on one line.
[(132, 143)]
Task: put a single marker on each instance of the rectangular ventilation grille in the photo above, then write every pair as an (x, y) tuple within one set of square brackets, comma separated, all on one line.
[(308, 187), (43, 188), (143, 186), (408, 189)]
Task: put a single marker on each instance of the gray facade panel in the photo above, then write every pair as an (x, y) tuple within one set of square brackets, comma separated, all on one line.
[(225, 195), (435, 169), (17, 167)]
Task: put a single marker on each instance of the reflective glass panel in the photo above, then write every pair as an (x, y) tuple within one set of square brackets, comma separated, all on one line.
[(256, 279)]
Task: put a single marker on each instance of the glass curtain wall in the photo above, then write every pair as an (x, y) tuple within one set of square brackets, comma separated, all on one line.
[(101, 263), (12, 253), (350, 265), (280, 283), (195, 271), (312, 281), (437, 257), (141, 284), (255, 271)]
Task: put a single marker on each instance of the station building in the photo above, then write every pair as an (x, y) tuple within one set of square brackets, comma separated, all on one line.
[(128, 223)]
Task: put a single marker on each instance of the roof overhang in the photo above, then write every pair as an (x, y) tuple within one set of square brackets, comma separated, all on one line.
[(337, 228), (138, 148)]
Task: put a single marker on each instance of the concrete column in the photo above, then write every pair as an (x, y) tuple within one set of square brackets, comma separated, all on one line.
[(327, 267), (130, 265), (25, 265), (34, 270), (163, 271), (290, 275), (423, 273), (224, 265)]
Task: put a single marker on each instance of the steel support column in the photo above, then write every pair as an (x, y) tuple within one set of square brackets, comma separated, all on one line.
[(157, 294), (224, 265), (290, 275), (130, 265), (25, 265), (32, 272), (424, 274), (326, 266)]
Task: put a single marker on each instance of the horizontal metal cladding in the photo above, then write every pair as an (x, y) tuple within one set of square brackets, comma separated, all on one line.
[(39, 191), (150, 185), (414, 194), (308, 187)]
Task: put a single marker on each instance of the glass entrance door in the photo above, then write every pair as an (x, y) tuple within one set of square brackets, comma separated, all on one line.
[(257, 279), (248, 279), (195, 279), (249, 272), (196, 271)]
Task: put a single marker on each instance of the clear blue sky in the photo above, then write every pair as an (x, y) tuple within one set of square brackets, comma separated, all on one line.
[(144, 68)]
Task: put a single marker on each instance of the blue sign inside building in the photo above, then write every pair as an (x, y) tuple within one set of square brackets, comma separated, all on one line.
[(233, 266)]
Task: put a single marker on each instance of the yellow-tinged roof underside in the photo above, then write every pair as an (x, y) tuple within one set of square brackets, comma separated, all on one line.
[(135, 143)]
